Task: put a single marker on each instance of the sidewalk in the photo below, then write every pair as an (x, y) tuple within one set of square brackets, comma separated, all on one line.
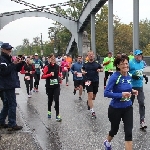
[(18, 140)]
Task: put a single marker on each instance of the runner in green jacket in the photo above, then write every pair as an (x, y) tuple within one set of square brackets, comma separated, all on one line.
[(108, 67)]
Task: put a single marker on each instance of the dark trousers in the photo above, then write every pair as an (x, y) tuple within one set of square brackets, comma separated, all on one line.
[(53, 94), (9, 108), (115, 115), (140, 98), (37, 79), (65, 75), (29, 84), (107, 74)]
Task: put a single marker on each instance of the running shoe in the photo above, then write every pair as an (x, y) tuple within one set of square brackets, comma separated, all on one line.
[(93, 115), (34, 90), (58, 118), (49, 114), (143, 125), (80, 98), (29, 96), (107, 145)]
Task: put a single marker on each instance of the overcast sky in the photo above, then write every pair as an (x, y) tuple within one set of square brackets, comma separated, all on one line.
[(16, 31)]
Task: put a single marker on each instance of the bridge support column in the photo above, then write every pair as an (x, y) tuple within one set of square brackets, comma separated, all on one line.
[(80, 51), (110, 27), (135, 24), (93, 43)]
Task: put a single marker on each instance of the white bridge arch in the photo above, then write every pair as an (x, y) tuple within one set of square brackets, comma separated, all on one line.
[(7, 18)]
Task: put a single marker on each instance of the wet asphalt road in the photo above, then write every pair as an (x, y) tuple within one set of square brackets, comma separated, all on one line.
[(77, 131)]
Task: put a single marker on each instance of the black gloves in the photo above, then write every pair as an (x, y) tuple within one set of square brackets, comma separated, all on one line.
[(135, 77), (146, 78)]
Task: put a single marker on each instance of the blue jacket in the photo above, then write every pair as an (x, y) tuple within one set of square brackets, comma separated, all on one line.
[(9, 78), (76, 67), (37, 63), (136, 68), (116, 85)]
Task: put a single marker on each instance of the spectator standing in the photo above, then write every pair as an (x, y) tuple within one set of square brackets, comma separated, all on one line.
[(9, 80)]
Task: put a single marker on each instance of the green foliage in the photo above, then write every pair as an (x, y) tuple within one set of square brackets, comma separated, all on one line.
[(123, 38), (144, 33), (146, 51)]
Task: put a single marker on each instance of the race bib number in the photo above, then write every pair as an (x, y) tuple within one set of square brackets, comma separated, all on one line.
[(53, 81), (37, 65), (88, 83), (65, 68), (125, 99), (139, 72), (27, 77), (59, 63), (79, 74)]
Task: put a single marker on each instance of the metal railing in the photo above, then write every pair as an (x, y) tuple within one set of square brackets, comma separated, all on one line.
[(47, 8)]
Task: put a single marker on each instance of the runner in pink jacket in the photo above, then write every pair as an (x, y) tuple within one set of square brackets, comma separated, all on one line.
[(64, 67)]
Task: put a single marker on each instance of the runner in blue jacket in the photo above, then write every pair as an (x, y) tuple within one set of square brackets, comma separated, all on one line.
[(136, 69), (119, 88)]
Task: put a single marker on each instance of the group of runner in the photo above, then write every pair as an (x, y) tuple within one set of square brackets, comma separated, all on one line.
[(32, 69), (126, 82)]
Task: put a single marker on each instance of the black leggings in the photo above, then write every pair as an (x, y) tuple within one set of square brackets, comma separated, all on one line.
[(107, 74), (29, 83), (37, 79), (115, 115), (53, 94)]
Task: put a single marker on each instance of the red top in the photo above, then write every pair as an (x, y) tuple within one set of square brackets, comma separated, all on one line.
[(23, 71), (46, 75)]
